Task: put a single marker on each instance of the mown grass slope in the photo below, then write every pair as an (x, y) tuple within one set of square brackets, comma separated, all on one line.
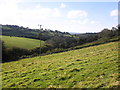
[(92, 67), (20, 42)]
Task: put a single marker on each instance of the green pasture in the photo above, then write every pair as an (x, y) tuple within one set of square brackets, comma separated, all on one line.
[(20, 42), (91, 67)]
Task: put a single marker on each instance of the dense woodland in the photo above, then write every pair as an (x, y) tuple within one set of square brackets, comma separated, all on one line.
[(55, 41)]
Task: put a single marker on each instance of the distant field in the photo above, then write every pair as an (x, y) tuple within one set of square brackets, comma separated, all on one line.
[(20, 42), (92, 67)]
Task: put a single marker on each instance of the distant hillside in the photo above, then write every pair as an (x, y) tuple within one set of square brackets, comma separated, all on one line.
[(20, 42), (92, 67), (20, 31)]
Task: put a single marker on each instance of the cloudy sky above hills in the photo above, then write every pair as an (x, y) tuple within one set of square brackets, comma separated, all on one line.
[(63, 16)]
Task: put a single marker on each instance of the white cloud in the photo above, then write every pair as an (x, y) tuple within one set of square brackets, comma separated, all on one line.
[(83, 21), (56, 13), (12, 14), (77, 13), (92, 22), (114, 13), (41, 13), (62, 5)]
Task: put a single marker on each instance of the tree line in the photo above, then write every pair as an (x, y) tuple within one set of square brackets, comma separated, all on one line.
[(20, 31)]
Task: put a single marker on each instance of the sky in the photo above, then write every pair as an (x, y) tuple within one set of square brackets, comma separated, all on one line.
[(67, 16)]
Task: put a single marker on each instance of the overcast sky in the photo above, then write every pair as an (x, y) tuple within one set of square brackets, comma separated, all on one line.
[(63, 16)]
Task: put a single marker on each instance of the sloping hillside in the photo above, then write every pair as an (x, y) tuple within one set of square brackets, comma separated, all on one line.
[(20, 42), (92, 67)]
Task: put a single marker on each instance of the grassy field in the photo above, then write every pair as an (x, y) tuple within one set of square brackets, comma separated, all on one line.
[(92, 67), (20, 42)]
